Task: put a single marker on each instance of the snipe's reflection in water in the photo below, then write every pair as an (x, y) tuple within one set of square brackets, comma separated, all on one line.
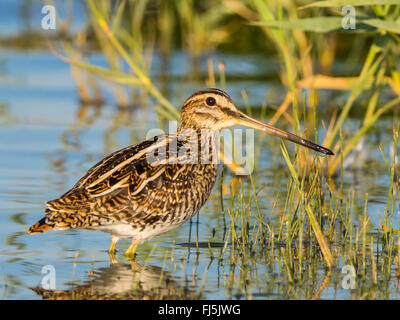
[(125, 281)]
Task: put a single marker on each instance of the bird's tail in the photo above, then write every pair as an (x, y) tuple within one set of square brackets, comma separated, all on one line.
[(40, 226)]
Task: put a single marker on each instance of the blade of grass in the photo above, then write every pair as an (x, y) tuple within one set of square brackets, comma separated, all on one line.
[(314, 223), (140, 73)]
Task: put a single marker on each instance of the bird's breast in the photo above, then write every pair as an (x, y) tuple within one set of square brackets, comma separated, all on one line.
[(177, 194)]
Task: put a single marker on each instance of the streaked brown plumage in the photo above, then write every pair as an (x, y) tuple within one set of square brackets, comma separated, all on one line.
[(150, 188)]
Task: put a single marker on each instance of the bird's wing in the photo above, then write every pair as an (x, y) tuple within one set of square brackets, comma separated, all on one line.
[(126, 171), (113, 171)]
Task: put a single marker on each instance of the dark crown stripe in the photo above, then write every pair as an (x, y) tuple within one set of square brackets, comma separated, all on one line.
[(210, 90)]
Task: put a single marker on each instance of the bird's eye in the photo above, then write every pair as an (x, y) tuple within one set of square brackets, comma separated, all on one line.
[(211, 101)]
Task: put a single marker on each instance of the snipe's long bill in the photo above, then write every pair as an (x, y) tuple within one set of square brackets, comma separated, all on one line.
[(247, 121), (131, 195)]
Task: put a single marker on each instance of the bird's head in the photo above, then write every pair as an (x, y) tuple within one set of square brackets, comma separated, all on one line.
[(213, 109)]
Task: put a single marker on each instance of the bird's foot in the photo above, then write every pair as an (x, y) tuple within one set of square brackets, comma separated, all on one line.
[(130, 253), (113, 260), (136, 267), (129, 256)]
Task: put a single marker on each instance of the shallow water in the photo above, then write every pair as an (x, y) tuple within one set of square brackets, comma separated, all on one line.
[(45, 149)]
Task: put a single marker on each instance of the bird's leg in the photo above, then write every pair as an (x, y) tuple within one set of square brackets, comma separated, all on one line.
[(111, 250), (130, 253)]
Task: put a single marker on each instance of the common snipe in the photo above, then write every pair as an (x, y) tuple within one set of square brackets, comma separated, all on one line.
[(148, 189)]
